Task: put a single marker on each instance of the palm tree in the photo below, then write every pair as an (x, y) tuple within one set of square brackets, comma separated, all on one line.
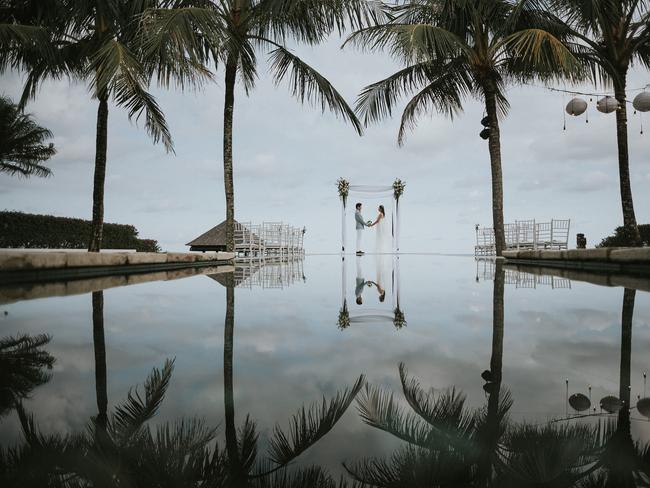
[(109, 45), (453, 49), (250, 25), (22, 146), (611, 36)]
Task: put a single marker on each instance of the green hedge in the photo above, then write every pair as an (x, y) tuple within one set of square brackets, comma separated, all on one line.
[(23, 230), (620, 238)]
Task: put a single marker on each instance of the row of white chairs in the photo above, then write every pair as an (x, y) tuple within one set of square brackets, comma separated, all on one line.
[(525, 234), (485, 271), (268, 240)]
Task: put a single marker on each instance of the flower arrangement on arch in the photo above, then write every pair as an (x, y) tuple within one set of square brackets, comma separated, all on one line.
[(399, 320), (398, 188), (344, 317), (343, 186)]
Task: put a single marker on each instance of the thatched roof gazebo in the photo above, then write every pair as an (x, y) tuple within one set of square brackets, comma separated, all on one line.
[(212, 240)]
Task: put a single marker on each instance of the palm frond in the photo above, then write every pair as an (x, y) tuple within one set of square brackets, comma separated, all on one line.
[(376, 101), (379, 409), (444, 94), (309, 85), (411, 43), (21, 43), (118, 71), (22, 147), (130, 416), (445, 412), (542, 54), (247, 445), (310, 424), (175, 43)]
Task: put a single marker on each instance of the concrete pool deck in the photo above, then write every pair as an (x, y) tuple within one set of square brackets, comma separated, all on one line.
[(629, 261), (22, 266)]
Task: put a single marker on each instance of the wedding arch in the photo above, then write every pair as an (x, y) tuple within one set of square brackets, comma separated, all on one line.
[(394, 191)]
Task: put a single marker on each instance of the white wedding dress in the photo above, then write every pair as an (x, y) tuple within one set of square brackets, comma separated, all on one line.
[(383, 236)]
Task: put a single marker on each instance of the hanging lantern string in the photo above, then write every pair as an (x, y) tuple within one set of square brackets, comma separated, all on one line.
[(587, 94)]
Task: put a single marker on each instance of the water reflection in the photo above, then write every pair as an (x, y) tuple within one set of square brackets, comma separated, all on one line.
[(123, 449), (446, 443), (376, 277), (486, 271), (23, 365), (268, 274), (281, 346)]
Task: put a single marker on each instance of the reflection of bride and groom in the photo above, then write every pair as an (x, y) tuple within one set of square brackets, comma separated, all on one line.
[(382, 237), (362, 283)]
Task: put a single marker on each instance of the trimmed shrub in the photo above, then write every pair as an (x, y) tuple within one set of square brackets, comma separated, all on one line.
[(621, 239), (23, 230)]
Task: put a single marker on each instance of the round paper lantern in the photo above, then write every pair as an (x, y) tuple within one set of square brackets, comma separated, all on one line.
[(643, 406), (485, 133), (579, 402), (607, 105), (642, 102), (611, 404), (576, 106)]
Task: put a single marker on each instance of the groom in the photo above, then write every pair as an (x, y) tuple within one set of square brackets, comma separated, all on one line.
[(360, 225)]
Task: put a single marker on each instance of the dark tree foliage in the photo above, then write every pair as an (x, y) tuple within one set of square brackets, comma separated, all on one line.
[(23, 230), (622, 237), (22, 364)]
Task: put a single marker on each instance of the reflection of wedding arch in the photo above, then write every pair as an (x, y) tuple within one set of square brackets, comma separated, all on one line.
[(377, 191), (372, 315)]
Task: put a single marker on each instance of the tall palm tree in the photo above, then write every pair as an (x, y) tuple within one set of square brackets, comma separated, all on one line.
[(452, 49), (22, 142), (611, 36), (248, 26), (108, 44)]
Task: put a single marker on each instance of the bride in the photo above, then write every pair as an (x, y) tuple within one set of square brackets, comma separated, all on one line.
[(383, 235)]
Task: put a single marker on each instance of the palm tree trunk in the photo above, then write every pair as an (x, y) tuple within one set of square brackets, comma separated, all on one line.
[(629, 297), (629, 217), (492, 433), (100, 359), (494, 144), (228, 109), (101, 144), (228, 387)]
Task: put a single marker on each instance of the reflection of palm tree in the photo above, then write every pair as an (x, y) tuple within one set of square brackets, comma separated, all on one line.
[(447, 444), (21, 368), (99, 346), (307, 427)]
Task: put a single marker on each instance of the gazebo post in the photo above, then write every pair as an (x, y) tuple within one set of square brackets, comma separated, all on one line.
[(343, 218), (397, 224)]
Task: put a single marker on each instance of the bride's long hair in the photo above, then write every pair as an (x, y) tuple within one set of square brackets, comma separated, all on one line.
[(381, 209)]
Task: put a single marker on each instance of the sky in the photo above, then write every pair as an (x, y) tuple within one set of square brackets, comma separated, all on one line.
[(287, 158)]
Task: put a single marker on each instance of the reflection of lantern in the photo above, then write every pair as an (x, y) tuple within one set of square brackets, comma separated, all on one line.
[(642, 102), (575, 107), (610, 404), (643, 406), (579, 402), (607, 105)]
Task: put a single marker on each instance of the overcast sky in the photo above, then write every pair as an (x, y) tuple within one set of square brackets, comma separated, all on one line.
[(287, 158)]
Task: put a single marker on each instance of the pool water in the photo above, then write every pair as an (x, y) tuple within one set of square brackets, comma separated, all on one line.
[(299, 332)]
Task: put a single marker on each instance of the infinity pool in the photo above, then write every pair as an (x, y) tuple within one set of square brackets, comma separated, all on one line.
[(298, 332)]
